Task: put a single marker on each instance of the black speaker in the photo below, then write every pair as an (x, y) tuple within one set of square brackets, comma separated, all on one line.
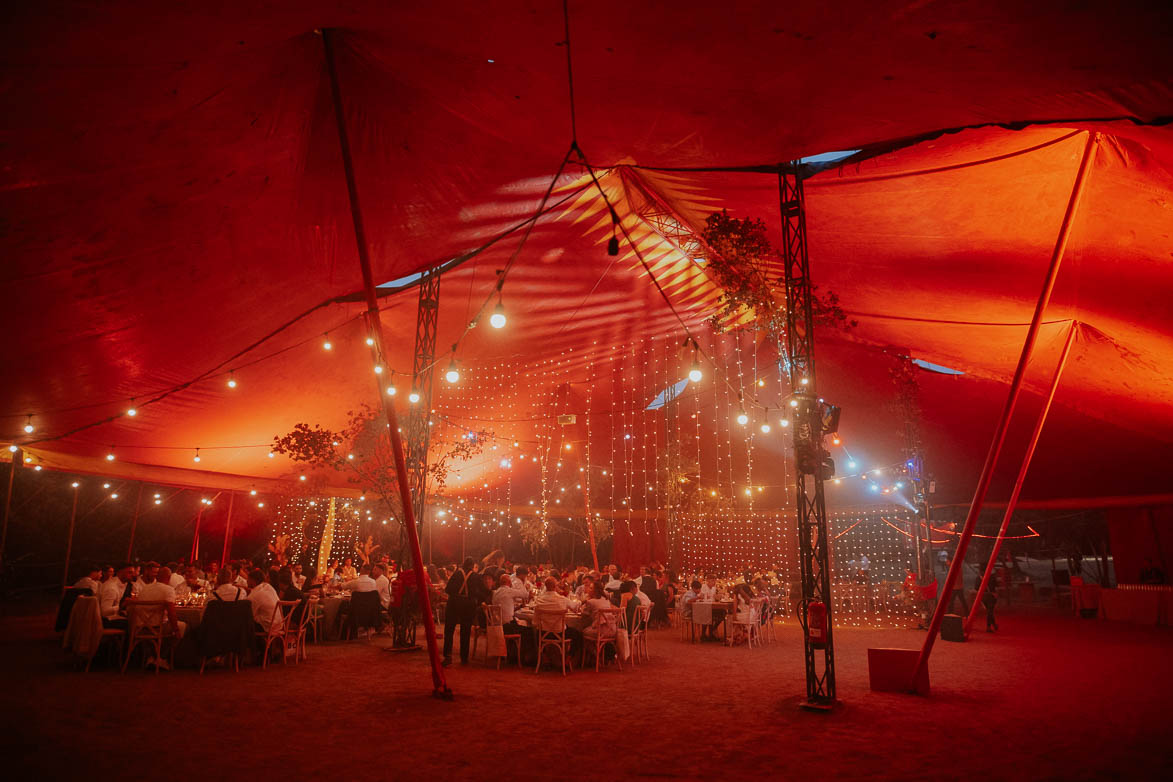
[(952, 628)]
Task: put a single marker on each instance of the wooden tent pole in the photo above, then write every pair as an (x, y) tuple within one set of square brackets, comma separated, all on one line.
[(375, 327), (987, 473), (228, 531), (69, 539), (134, 523), (1022, 470)]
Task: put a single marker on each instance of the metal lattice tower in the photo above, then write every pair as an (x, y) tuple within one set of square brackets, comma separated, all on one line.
[(422, 373), (806, 412), (904, 376)]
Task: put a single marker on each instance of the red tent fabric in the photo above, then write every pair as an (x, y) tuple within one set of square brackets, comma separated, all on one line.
[(175, 212)]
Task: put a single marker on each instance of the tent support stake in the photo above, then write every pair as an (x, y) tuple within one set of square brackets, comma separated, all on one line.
[(987, 474), (374, 323)]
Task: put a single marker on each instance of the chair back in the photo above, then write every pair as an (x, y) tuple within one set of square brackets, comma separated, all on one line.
[(492, 615), (606, 621), (227, 627), (364, 609), (66, 607), (290, 622), (548, 620), (759, 605), (144, 618)]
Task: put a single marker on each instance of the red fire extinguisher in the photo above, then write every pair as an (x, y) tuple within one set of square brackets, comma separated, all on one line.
[(816, 625)]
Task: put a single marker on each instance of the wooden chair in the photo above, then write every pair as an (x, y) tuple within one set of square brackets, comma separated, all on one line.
[(638, 635), (751, 626), (603, 632), (478, 631), (550, 629), (144, 622), (276, 630), (226, 632), (364, 614), (769, 634)]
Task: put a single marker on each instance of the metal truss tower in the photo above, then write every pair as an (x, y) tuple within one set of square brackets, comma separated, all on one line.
[(422, 373), (806, 410)]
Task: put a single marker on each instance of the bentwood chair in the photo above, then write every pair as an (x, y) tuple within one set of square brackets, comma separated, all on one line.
[(639, 646), (144, 623), (550, 631), (479, 630), (602, 633), (276, 630), (752, 626)]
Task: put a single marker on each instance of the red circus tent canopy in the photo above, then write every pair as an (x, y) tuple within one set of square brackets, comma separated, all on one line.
[(175, 211)]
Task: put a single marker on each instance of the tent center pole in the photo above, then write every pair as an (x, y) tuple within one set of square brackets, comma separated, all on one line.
[(375, 325)]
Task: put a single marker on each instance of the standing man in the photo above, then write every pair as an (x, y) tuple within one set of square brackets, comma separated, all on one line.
[(460, 611)]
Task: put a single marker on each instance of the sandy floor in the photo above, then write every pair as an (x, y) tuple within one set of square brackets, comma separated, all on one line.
[(1047, 698)]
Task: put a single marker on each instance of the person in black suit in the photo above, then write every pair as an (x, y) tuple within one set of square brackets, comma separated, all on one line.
[(460, 611)]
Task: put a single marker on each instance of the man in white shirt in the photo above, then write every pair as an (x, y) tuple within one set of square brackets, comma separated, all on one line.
[(550, 599), (364, 582), (160, 589), (382, 586), (519, 576), (505, 597), (176, 575), (266, 612), (91, 580), (298, 578), (113, 592), (226, 588)]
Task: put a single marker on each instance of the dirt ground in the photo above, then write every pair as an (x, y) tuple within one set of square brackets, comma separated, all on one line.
[(1049, 697)]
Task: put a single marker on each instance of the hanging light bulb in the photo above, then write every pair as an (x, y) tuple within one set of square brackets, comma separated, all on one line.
[(413, 397), (28, 427), (765, 428), (272, 455), (497, 319), (197, 455), (231, 380), (75, 484), (132, 411), (453, 374), (326, 343), (253, 492), (370, 340), (13, 449), (785, 422), (378, 369), (391, 391), (110, 456)]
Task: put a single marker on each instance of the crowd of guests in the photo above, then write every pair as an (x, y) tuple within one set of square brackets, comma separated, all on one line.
[(458, 591)]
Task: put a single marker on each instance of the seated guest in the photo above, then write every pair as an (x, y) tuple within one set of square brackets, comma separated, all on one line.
[(190, 585), (520, 576), (226, 588), (550, 599), (266, 612), (630, 603), (363, 583), (211, 572), (285, 587), (114, 594), (506, 597), (480, 590), (382, 585), (595, 599), (238, 574), (348, 572), (176, 574), (107, 573), (612, 582), (709, 590), (91, 580), (584, 589), (311, 582), (160, 589), (690, 595), (298, 578), (148, 571)]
